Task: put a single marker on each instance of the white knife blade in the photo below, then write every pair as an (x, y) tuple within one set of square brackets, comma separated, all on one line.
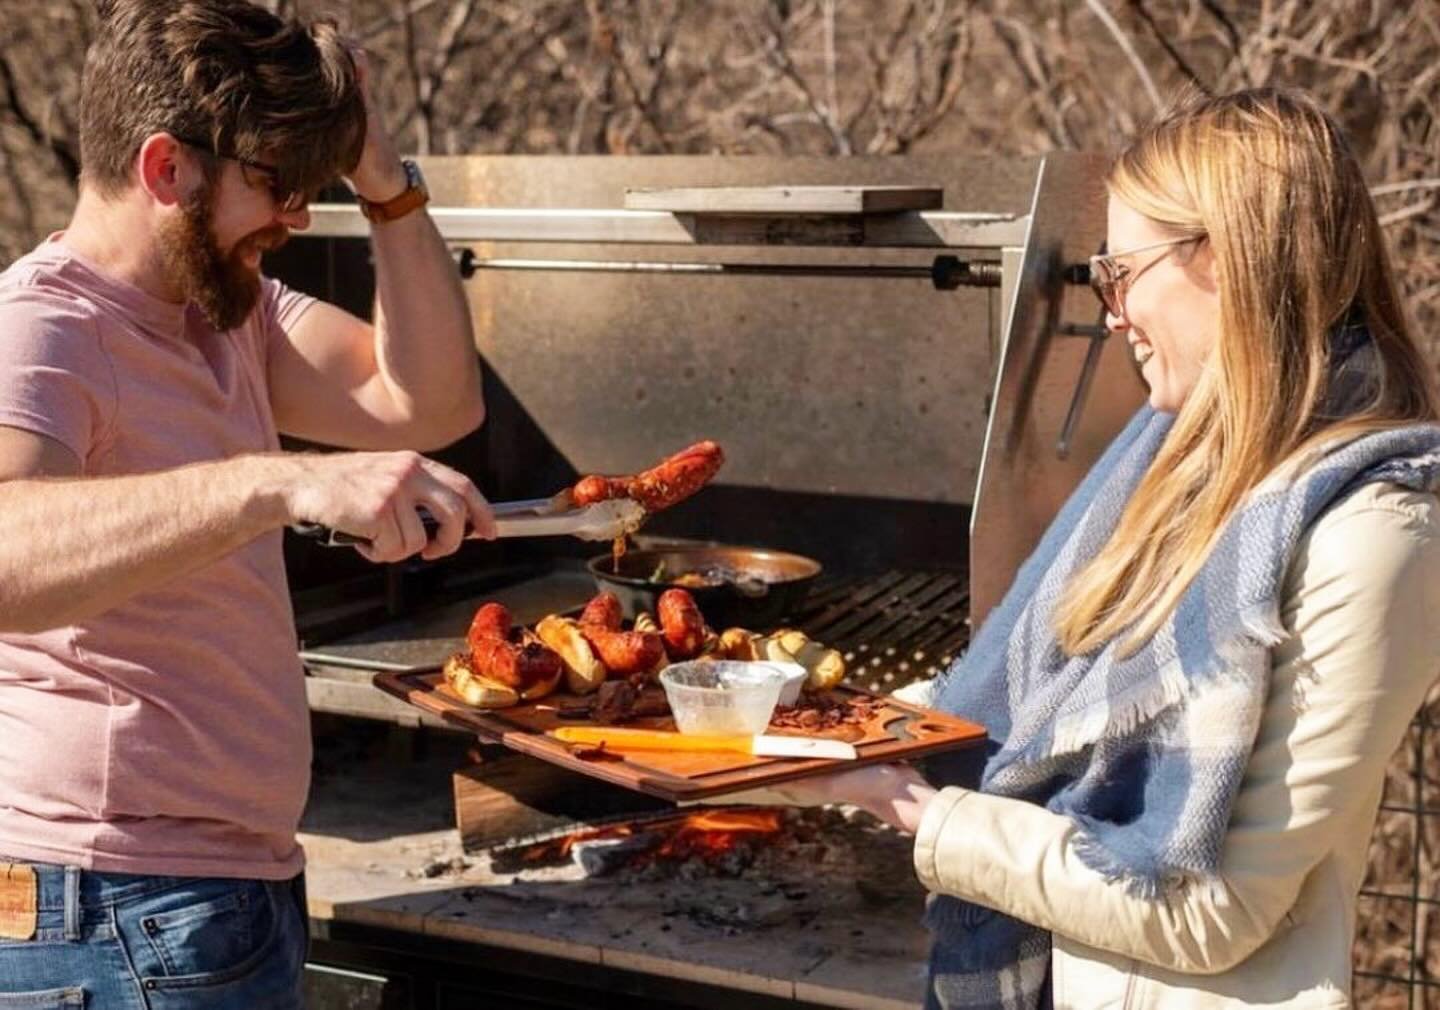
[(802, 747)]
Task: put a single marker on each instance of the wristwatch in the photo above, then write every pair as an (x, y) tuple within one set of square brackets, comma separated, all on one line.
[(413, 197)]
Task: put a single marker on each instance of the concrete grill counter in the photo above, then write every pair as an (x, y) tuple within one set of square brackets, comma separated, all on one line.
[(406, 914)]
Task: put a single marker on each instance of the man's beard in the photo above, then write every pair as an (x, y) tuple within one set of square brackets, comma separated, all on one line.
[(223, 287)]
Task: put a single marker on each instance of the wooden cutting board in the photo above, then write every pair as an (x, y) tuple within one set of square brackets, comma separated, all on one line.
[(894, 732)]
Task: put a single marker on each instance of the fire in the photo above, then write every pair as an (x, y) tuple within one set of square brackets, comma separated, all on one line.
[(715, 832), (706, 834)]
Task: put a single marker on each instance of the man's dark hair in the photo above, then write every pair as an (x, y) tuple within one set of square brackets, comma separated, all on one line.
[(221, 73)]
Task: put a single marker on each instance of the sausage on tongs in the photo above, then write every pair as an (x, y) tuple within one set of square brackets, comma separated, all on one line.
[(670, 481)]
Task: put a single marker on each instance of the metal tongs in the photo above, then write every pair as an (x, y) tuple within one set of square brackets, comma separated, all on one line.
[(535, 517)]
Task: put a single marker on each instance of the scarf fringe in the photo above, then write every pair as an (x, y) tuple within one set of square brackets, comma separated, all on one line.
[(1098, 857), (1259, 630)]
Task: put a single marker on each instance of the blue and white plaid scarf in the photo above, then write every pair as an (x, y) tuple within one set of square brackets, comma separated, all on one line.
[(1144, 753)]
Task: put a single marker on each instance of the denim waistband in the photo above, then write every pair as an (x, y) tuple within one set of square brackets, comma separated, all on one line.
[(95, 888)]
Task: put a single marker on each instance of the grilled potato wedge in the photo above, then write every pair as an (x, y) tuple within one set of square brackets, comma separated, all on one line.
[(739, 643), (824, 667)]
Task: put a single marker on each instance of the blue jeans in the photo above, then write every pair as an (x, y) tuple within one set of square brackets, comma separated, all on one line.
[(118, 941)]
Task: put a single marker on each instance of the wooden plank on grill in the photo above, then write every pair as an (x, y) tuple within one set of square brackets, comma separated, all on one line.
[(785, 199), (895, 732), (512, 796)]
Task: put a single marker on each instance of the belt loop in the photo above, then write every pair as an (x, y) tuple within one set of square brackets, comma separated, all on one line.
[(72, 902)]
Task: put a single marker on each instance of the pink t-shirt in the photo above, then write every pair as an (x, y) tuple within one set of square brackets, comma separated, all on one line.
[(170, 734)]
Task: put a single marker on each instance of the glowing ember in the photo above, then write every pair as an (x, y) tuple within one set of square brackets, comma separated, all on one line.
[(717, 832), (706, 835)]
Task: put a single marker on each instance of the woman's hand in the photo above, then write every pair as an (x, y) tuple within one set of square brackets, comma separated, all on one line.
[(895, 793)]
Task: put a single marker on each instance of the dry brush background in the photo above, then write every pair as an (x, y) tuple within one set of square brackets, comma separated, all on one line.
[(845, 77)]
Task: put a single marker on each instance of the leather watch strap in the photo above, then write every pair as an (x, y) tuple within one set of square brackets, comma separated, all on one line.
[(413, 197)]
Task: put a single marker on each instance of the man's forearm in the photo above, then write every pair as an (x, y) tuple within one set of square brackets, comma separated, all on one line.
[(425, 347), (72, 548)]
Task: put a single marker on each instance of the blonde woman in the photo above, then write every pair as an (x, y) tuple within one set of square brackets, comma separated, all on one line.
[(1195, 683)]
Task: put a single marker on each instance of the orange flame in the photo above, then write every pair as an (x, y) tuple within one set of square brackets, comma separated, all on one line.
[(707, 834), (715, 832)]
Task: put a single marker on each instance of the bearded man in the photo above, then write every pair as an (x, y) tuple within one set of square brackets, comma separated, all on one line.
[(154, 735)]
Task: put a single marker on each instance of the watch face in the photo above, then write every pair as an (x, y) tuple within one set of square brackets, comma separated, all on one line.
[(414, 176)]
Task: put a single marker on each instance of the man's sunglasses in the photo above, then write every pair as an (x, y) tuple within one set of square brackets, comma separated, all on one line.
[(257, 174), (1110, 278)]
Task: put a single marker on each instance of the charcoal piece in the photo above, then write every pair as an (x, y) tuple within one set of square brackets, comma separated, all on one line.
[(600, 857)]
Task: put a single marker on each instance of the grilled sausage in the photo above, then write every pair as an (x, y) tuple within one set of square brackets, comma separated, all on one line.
[(492, 620), (672, 480), (596, 488), (603, 610), (624, 652), (678, 477), (515, 658), (681, 624), (530, 668), (473, 689)]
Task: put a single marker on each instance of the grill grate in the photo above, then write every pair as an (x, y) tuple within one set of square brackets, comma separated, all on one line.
[(893, 628)]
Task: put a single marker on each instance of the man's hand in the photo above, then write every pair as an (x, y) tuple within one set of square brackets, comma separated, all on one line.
[(378, 176), (375, 495), (895, 793)]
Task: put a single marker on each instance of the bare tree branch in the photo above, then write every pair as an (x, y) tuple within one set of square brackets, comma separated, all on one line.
[(1127, 47), (1405, 186), (396, 19), (1176, 57), (1406, 213), (772, 45), (608, 41), (58, 147)]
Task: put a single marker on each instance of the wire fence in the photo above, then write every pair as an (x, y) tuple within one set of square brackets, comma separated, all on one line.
[(1397, 937)]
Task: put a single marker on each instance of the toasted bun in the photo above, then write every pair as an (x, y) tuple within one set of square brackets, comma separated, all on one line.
[(583, 670), (474, 689)]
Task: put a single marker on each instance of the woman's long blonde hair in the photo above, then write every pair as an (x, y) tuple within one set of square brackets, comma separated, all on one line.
[(1267, 177)]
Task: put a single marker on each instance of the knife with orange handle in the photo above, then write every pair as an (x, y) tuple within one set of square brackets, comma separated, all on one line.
[(621, 739)]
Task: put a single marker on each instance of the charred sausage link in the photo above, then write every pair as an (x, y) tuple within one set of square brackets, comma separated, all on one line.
[(603, 610), (497, 659), (678, 477), (596, 488), (519, 661), (672, 480), (492, 620), (681, 624), (624, 652)]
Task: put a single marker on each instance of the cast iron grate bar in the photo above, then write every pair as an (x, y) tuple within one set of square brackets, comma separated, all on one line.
[(893, 628), (876, 621), (854, 595)]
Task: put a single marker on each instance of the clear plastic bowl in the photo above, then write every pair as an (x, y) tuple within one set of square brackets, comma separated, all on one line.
[(794, 675), (722, 696)]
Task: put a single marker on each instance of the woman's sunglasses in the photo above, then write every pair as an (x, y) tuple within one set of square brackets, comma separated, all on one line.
[(1110, 278)]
